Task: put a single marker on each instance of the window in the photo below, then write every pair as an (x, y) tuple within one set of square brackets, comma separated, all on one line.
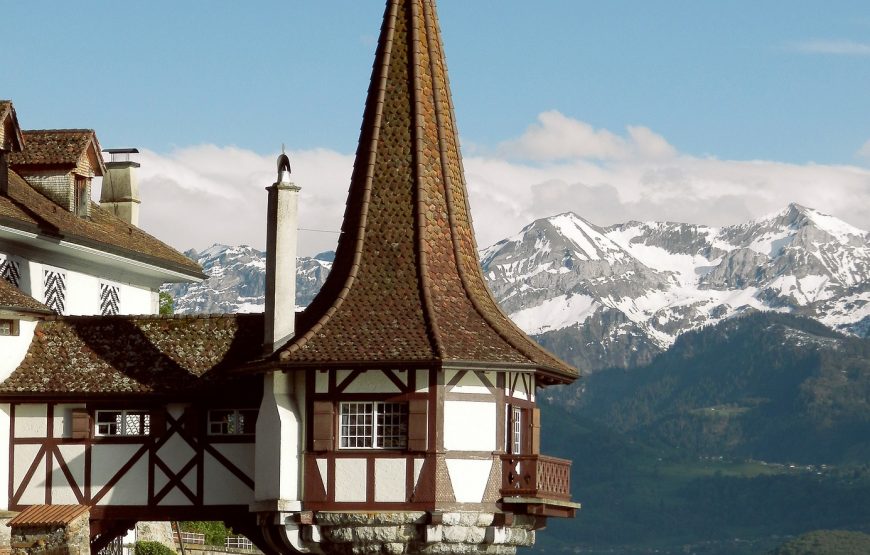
[(82, 197), (123, 423), (374, 425), (8, 327), (517, 430), (232, 422)]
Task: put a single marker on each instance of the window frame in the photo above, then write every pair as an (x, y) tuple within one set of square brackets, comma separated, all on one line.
[(14, 327), (399, 442), (144, 425), (235, 414)]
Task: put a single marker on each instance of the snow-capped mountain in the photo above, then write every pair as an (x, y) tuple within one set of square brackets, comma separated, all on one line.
[(616, 296), (237, 281)]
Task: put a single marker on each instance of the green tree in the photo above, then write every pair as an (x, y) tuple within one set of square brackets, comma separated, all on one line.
[(166, 303)]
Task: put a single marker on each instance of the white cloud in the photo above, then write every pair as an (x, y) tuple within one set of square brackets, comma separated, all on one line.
[(197, 196), (836, 47), (557, 137)]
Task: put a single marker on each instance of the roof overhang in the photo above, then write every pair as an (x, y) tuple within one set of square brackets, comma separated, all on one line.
[(12, 131), (82, 255)]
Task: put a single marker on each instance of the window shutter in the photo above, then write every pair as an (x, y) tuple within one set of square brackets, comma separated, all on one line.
[(536, 431), (81, 424), (418, 424), (158, 422), (323, 433)]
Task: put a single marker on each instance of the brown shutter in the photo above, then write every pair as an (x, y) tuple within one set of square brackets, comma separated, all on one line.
[(81, 424), (536, 431), (323, 429), (158, 422), (418, 424)]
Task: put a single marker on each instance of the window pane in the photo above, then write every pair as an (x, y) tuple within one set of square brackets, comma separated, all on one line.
[(392, 427)]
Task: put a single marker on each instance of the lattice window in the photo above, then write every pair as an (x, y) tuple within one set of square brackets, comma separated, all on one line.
[(8, 327), (110, 299), (10, 270), (54, 287), (230, 422), (123, 423), (517, 430), (374, 425)]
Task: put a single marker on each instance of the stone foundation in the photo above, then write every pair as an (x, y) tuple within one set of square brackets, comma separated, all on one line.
[(51, 538), (415, 532)]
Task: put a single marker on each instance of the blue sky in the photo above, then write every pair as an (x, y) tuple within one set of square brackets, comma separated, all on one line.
[(780, 82)]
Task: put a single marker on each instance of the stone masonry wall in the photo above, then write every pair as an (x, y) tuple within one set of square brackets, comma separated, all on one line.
[(72, 539), (408, 532)]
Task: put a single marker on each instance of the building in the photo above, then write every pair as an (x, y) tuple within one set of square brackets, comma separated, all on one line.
[(397, 413)]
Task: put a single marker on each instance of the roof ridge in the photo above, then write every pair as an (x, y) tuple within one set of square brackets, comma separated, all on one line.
[(422, 257)]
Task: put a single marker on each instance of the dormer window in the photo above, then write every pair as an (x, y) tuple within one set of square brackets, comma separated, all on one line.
[(82, 196)]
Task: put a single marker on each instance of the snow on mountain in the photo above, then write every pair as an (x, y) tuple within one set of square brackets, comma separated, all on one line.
[(617, 296), (237, 281), (562, 274)]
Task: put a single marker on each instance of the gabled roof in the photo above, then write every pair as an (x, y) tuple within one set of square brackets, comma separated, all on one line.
[(60, 148), (138, 355), (406, 285), (13, 300), (26, 209), (9, 128)]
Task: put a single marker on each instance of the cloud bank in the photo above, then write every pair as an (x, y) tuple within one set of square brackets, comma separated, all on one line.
[(197, 196)]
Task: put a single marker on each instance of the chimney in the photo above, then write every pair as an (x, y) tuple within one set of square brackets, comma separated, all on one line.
[(280, 318), (120, 192)]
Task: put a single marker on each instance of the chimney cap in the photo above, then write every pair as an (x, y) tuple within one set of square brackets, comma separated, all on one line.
[(121, 154)]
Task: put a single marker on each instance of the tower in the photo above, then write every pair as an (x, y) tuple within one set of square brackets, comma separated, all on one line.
[(413, 393)]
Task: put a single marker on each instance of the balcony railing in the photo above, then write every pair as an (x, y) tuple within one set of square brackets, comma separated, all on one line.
[(536, 476)]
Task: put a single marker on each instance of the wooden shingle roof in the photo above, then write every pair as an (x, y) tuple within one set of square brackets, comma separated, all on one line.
[(406, 285), (11, 299), (48, 515), (62, 148), (26, 209), (136, 355)]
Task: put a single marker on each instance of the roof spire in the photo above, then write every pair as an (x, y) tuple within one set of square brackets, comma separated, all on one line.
[(406, 284)]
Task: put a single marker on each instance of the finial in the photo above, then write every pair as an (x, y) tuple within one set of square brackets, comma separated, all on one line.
[(283, 166)]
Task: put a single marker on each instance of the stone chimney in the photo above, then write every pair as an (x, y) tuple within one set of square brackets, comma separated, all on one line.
[(281, 230), (120, 192)]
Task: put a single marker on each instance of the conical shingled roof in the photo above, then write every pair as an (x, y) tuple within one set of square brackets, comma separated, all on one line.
[(406, 286)]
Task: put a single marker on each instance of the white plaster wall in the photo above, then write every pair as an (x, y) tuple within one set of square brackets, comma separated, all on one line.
[(280, 441), (5, 410), (83, 291), (106, 461), (62, 426), (31, 420), (422, 381), (470, 383), (176, 453), (390, 480), (13, 348), (470, 426), (132, 489), (350, 480), (61, 490), (23, 457), (222, 487), (372, 381), (321, 382), (521, 391), (469, 478)]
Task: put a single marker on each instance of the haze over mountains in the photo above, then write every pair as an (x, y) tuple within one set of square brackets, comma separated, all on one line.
[(616, 296)]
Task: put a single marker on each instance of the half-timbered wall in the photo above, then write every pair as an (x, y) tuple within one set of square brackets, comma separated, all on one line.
[(14, 347), (177, 468), (370, 477), (466, 416)]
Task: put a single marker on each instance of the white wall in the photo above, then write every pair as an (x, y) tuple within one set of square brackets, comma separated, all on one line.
[(14, 347), (83, 291), (470, 426)]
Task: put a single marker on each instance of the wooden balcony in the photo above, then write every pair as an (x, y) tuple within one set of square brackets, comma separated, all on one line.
[(536, 484), (536, 476)]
